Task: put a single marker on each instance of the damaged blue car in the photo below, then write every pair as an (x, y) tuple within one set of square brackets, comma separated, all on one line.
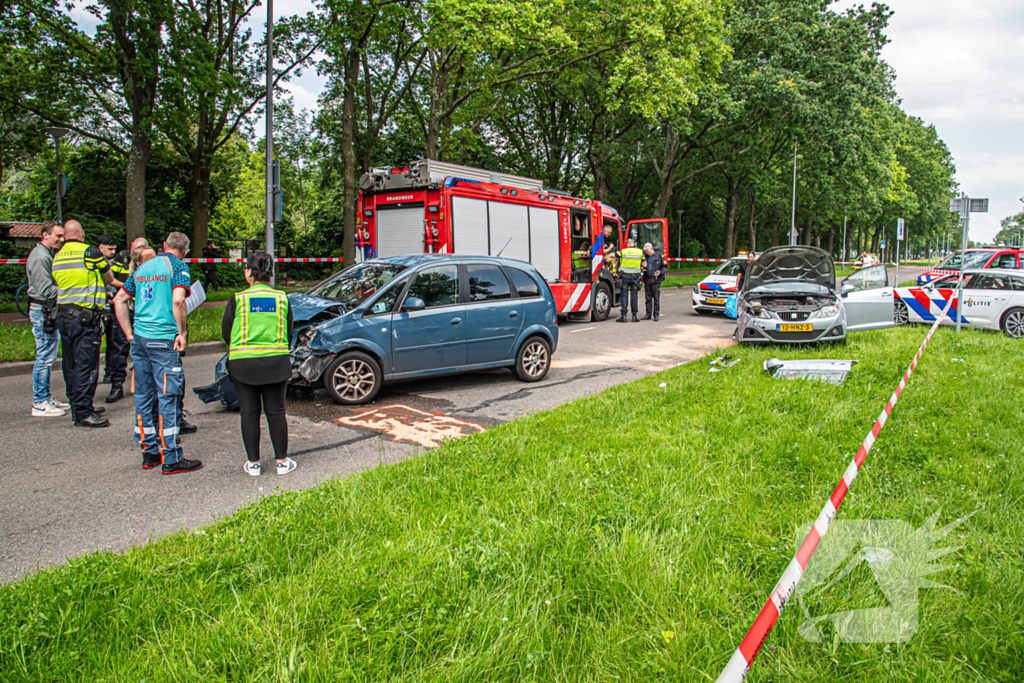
[(418, 316)]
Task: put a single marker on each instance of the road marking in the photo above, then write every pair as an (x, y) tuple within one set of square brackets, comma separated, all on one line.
[(403, 423), (582, 330)]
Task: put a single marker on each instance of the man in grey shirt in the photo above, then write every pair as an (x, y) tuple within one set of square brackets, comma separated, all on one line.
[(42, 309)]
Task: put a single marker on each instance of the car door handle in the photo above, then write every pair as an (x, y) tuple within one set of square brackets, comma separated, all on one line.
[(456, 321), (513, 314), (887, 292)]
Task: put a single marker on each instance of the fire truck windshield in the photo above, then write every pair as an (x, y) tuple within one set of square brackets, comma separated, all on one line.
[(354, 285), (650, 231)]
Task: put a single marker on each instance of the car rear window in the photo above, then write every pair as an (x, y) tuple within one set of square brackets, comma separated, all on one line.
[(525, 285), (487, 283)]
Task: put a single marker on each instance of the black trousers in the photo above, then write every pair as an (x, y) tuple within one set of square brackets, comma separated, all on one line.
[(272, 397), (116, 369), (652, 298), (632, 286), (210, 280), (80, 347)]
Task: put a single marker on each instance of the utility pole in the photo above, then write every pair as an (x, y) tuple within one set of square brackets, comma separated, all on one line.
[(61, 184), (844, 238), (965, 206), (679, 237), (270, 136), (792, 225)]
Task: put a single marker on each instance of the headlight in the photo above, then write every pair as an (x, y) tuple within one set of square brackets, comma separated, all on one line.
[(828, 312), (759, 312), (696, 289)]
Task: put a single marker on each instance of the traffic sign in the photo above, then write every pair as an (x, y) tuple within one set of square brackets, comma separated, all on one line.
[(979, 206), (955, 206), (794, 234), (899, 229), (883, 244)]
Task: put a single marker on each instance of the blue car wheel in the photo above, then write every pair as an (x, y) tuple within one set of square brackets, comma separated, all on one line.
[(353, 378)]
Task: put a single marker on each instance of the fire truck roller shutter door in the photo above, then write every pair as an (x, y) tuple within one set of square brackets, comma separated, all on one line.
[(399, 231), (544, 244), (469, 227), (510, 226)]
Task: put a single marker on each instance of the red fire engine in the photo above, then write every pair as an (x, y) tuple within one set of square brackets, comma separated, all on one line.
[(439, 208)]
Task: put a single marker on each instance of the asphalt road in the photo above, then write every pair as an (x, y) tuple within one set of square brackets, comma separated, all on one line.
[(67, 491)]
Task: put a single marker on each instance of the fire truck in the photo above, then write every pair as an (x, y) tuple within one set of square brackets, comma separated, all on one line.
[(432, 207)]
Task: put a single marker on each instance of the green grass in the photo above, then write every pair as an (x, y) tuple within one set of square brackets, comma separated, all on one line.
[(18, 344), (631, 535)]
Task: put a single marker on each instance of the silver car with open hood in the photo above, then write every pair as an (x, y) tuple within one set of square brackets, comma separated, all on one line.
[(789, 296)]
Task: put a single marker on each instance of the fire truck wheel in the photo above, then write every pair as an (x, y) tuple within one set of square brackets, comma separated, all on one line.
[(353, 378), (602, 303), (533, 360)]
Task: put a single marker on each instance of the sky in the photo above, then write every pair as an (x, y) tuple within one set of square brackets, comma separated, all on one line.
[(959, 66)]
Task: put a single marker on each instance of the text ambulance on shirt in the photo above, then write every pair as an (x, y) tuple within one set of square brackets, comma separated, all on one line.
[(154, 301)]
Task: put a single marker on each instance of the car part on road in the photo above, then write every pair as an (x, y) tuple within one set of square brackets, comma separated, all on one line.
[(831, 371), (533, 360), (353, 378), (222, 389)]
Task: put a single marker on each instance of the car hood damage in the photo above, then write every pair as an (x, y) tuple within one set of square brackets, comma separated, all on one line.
[(792, 265)]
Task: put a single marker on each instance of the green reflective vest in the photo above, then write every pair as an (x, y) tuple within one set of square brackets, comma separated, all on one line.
[(77, 283), (260, 328), (631, 260)]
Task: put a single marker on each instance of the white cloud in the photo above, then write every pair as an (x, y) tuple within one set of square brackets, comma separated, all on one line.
[(958, 65)]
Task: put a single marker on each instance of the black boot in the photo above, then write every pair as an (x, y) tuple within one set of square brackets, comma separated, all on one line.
[(655, 317), (635, 319), (116, 393), (622, 318), (646, 317)]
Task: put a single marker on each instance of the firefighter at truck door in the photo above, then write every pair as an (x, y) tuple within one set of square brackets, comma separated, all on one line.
[(81, 272), (611, 254), (115, 365), (629, 268)]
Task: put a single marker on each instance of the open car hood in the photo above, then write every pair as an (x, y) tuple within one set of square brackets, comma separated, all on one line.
[(306, 307), (796, 264)]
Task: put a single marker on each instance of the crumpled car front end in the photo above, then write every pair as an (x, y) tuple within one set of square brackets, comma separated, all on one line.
[(789, 297), (312, 351)]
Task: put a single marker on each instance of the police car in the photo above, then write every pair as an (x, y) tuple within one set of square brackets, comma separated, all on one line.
[(709, 294), (993, 299), (976, 258)]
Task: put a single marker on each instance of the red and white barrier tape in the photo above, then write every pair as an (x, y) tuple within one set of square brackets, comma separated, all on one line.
[(283, 259), (741, 661)]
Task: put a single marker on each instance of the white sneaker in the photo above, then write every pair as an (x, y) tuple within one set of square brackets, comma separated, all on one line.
[(58, 404), (252, 468), (46, 410), (287, 466)]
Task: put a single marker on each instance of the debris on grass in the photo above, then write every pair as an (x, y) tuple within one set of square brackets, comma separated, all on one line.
[(831, 371)]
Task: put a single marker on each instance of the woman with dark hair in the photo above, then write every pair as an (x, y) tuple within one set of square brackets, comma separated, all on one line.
[(257, 327)]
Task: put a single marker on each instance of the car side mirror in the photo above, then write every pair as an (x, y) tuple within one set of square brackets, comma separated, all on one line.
[(414, 304), (846, 289)]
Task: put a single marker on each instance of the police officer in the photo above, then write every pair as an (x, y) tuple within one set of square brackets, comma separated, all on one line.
[(257, 325), (81, 272), (116, 362), (630, 264), (654, 275)]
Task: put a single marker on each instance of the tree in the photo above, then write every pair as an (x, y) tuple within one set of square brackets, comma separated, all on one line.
[(65, 77)]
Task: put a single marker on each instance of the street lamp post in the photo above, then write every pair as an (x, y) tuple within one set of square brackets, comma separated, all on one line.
[(792, 225), (270, 136), (57, 133)]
